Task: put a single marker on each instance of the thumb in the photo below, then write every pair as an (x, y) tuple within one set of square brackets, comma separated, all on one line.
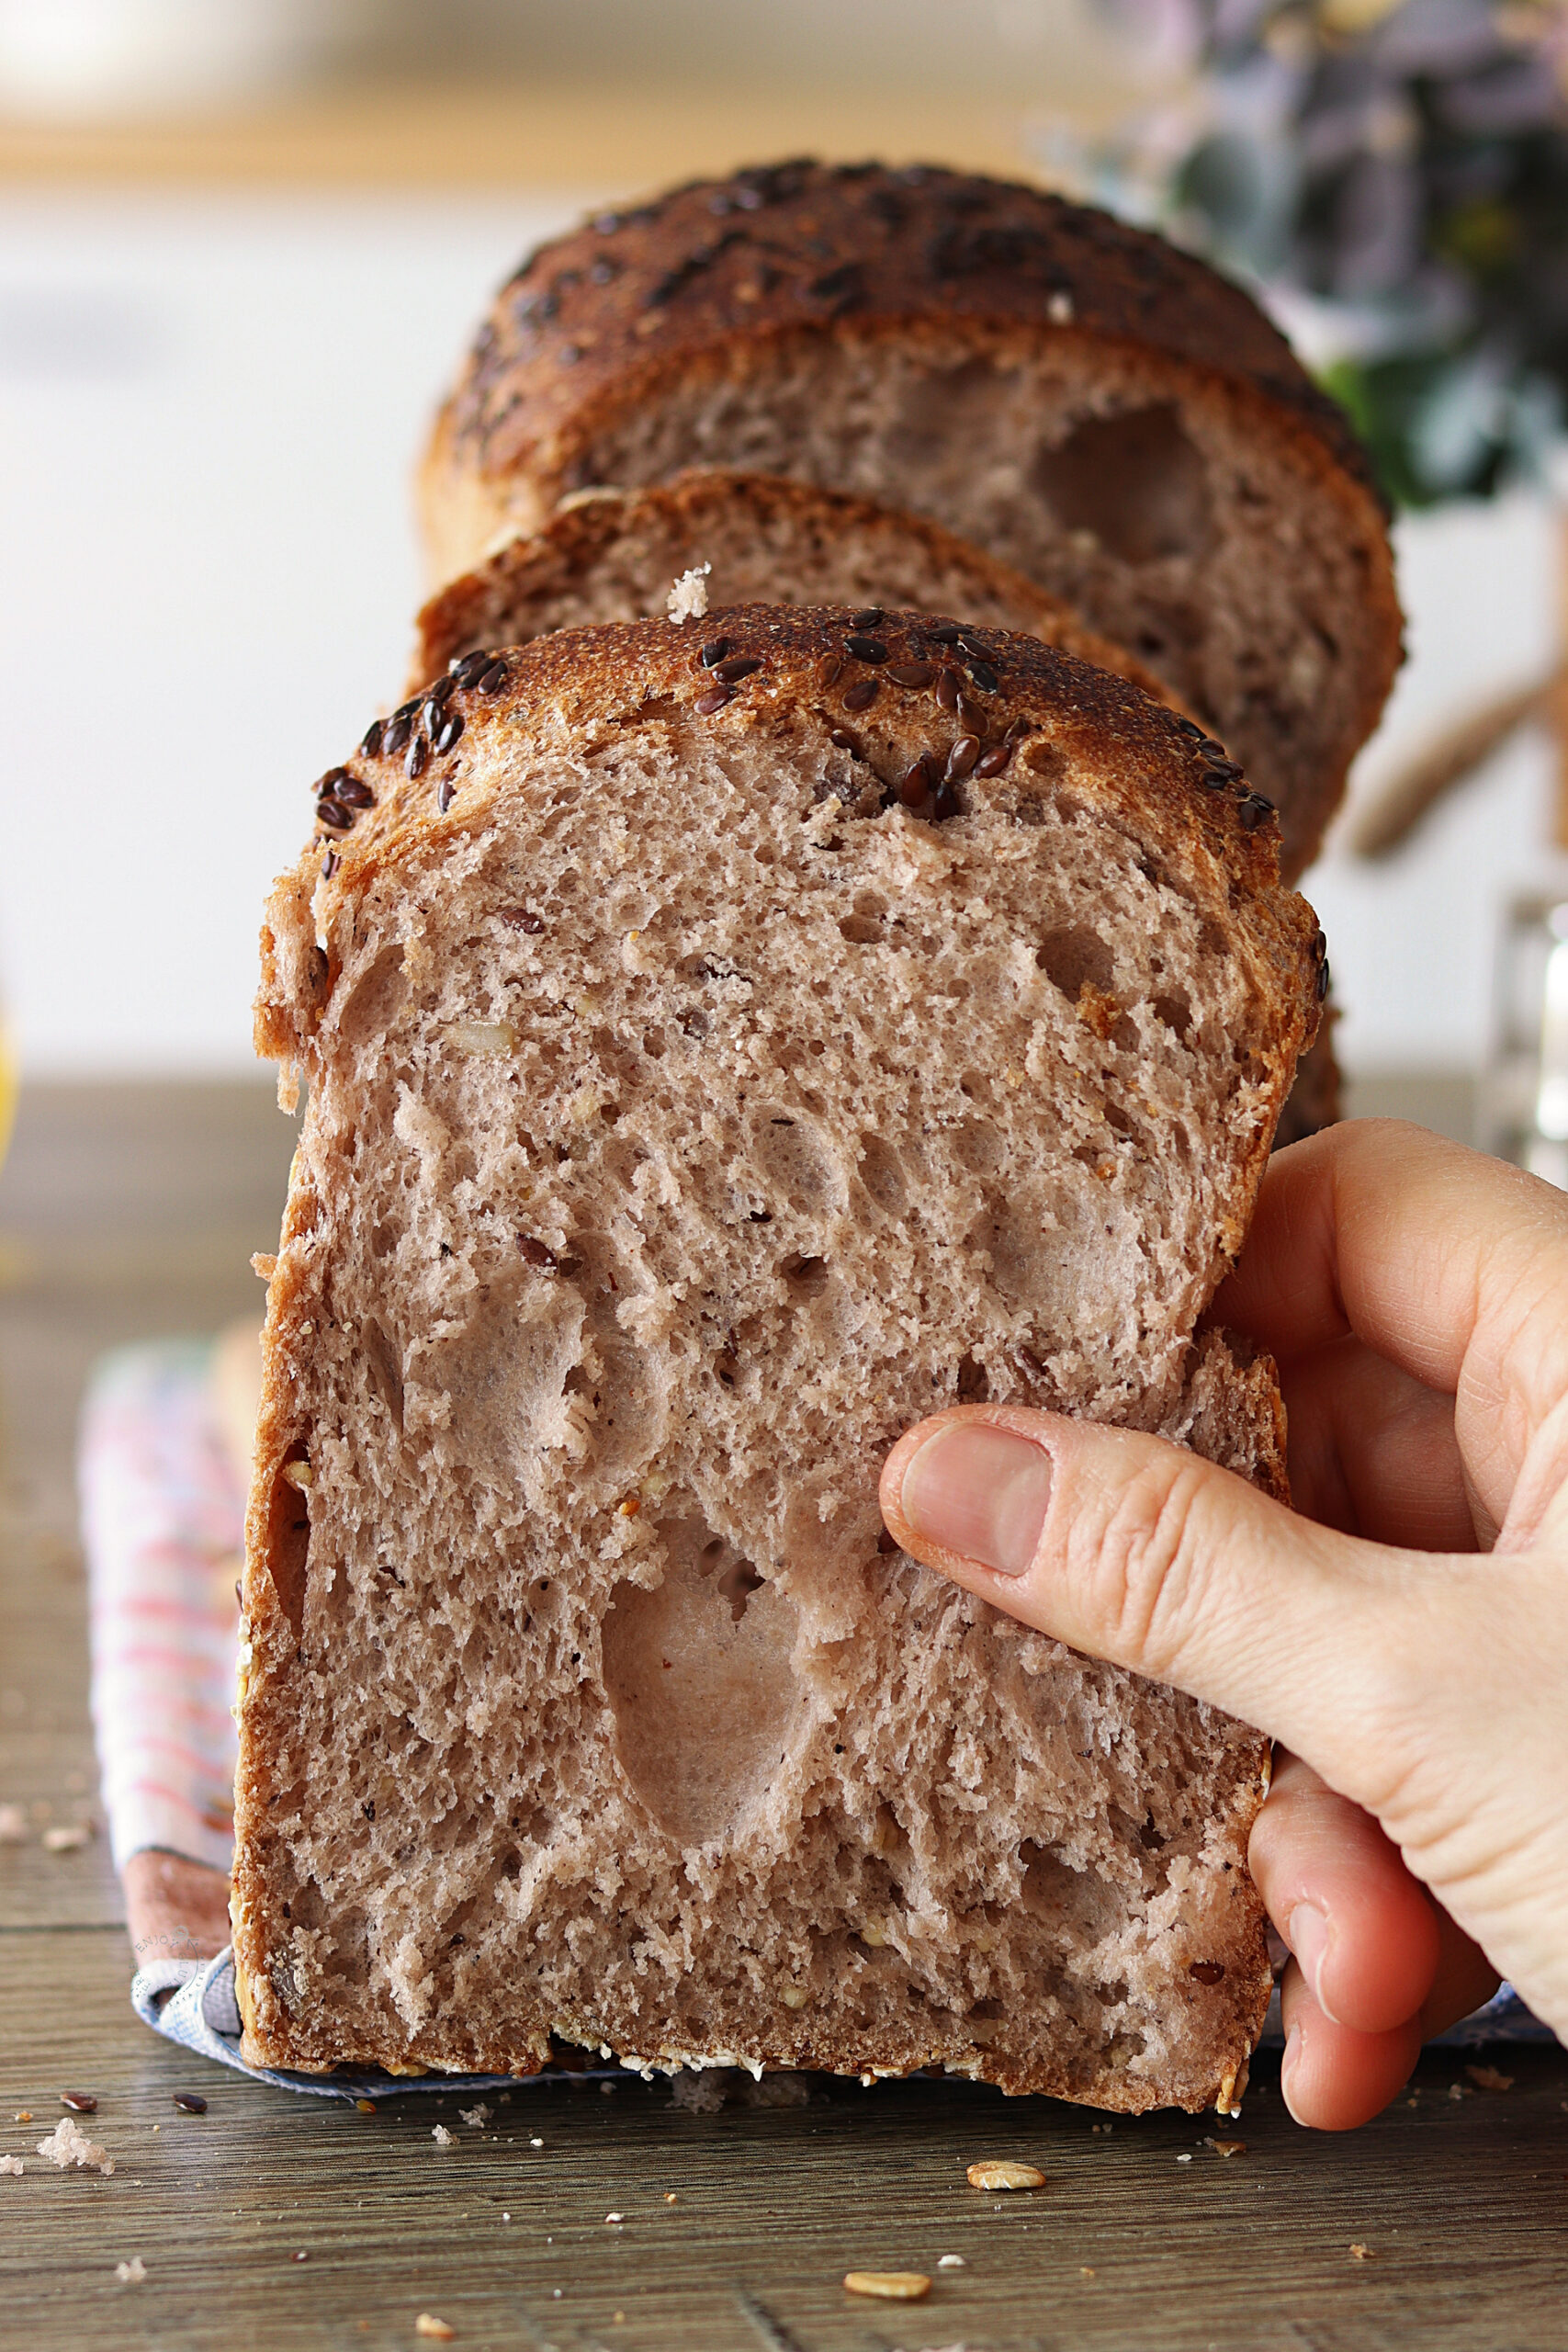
[(1134, 1550)]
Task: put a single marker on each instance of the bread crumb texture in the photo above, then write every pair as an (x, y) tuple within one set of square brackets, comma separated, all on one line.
[(582, 1699)]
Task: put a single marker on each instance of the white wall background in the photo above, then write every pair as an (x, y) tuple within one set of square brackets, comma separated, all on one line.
[(207, 418)]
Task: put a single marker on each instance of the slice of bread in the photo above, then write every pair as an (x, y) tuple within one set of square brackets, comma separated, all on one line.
[(724, 1045), (1076, 396), (614, 555)]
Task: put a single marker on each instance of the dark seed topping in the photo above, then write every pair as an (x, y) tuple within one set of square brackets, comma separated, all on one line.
[(1323, 979), (1207, 1972), (190, 2103), (947, 689), (869, 616), (947, 803), (535, 1253), (862, 696), (713, 652), (916, 784), (418, 759), (961, 758), (325, 785), (983, 676), (1254, 810), (911, 674), (334, 816), (993, 761), (842, 740), (1221, 771), (451, 729), (1319, 945), (370, 742), (80, 2102), (866, 649), (490, 681), (330, 865), (351, 792), (471, 667), (969, 713), (446, 793), (441, 693), (705, 705), (944, 633), (970, 645), (1019, 729), (396, 734), (739, 666), (1190, 726)]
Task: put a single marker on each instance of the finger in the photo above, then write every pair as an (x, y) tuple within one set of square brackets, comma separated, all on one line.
[(1449, 1264), (1464, 1983), (1333, 2079), (1364, 1933), (1137, 1551), (1373, 1452)]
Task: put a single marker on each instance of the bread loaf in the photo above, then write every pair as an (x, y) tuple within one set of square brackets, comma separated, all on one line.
[(751, 538), (1077, 397), (726, 1042)]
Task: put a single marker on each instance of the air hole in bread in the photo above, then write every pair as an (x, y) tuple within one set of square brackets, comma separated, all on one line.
[(860, 931), (385, 1364), (882, 1173), (808, 1277), (1175, 1009), (973, 1385), (374, 1003), (1134, 482), (699, 1679), (1072, 956), (288, 1538)]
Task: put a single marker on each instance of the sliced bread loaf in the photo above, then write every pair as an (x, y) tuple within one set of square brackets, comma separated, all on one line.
[(1075, 396), (611, 555), (722, 1048)]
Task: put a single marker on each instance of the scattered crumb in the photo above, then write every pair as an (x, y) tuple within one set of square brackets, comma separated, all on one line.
[(477, 2116), (68, 2144), (1227, 2147), (536, 2143), (607, 2090), (12, 2163), (951, 2262), (13, 1825), (365, 2105), (24, 2115), (428, 2325), (67, 1839), (1085, 2270), (618, 2319), (889, 2286), (1461, 2090), (688, 599), (614, 2217), (80, 2102), (1184, 2160), (1362, 2254), (1059, 308), (506, 2217), (443, 2138), (131, 2273), (672, 2196), (1001, 2172), (303, 2255), (1487, 2078)]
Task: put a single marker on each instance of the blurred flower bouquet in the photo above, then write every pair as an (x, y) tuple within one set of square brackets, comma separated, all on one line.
[(1393, 179)]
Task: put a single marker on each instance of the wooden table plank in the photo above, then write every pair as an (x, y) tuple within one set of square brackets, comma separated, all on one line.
[(1462, 2203)]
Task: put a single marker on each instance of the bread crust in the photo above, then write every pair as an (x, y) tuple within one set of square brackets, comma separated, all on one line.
[(507, 599), (1138, 762), (715, 285)]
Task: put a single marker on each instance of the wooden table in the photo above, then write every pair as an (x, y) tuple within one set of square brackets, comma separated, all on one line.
[(272, 2221)]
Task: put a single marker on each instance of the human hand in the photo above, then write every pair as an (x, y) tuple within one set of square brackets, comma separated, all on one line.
[(1404, 1632)]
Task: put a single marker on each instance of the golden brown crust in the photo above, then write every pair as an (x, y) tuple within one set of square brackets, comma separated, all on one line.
[(483, 607)]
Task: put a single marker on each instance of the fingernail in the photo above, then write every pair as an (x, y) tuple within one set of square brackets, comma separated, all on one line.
[(981, 1492), (1306, 1932), (1288, 2064)]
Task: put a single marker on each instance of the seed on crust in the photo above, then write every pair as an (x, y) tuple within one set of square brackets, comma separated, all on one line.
[(860, 696), (1003, 2172)]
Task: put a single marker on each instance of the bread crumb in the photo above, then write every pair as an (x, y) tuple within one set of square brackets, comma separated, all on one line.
[(13, 1825), (671, 2197), (1059, 308), (536, 2143), (1487, 2078), (1362, 2254), (12, 2163), (477, 2116), (609, 2218), (1227, 2147), (68, 2144), (688, 599), (443, 2138), (1184, 2160), (951, 2262), (889, 2286), (1085, 2270), (131, 2273), (24, 2115), (428, 2325), (67, 1840), (1461, 2090), (1001, 2172)]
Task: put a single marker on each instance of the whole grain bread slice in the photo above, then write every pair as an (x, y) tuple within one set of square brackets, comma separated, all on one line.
[(1075, 395), (613, 555), (719, 1055)]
